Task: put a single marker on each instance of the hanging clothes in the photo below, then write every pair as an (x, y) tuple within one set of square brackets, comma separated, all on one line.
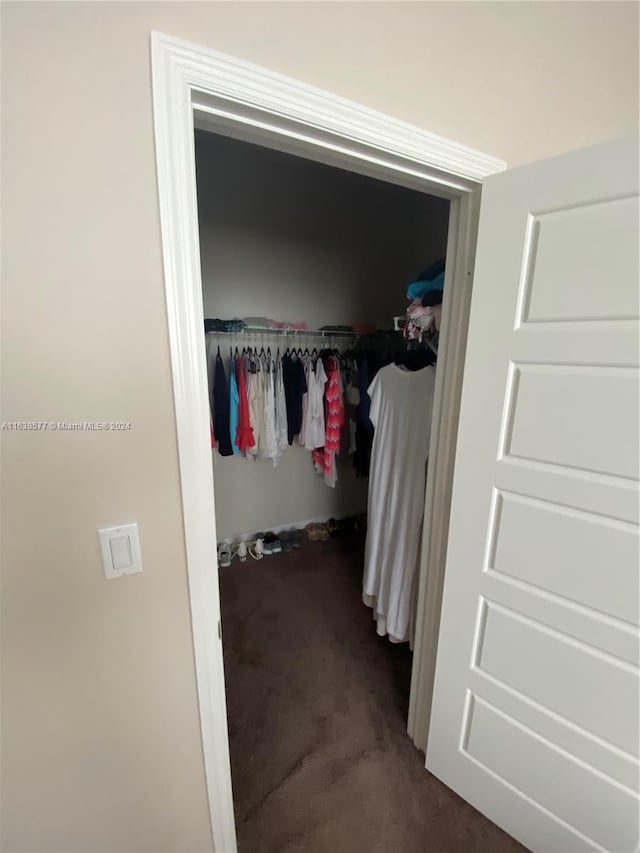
[(270, 444), (325, 458), (308, 369), (295, 386), (234, 401), (282, 430), (221, 409), (256, 404), (211, 350), (313, 433), (401, 404), (244, 435), (352, 401)]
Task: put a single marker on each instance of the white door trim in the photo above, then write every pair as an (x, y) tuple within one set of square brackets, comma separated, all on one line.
[(463, 229), (244, 100)]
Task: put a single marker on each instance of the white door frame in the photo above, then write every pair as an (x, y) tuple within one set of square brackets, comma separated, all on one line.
[(193, 85)]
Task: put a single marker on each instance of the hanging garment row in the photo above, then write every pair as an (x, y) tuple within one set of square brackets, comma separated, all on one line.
[(261, 404), (281, 390)]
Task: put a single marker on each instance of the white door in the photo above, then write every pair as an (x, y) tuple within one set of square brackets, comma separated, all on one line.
[(535, 710)]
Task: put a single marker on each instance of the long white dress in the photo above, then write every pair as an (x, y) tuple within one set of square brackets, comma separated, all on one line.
[(313, 429), (255, 396), (282, 434), (269, 448), (401, 405)]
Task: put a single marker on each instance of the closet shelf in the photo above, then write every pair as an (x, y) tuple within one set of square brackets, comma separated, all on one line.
[(313, 333)]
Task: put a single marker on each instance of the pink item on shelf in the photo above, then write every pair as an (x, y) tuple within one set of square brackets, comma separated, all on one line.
[(417, 309), (419, 318), (294, 325)]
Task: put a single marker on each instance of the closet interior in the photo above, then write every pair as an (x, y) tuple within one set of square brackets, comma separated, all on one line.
[(322, 293)]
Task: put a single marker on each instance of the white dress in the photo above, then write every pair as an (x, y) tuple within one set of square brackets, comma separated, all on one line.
[(255, 394), (401, 404), (270, 448), (313, 431), (305, 400), (282, 435)]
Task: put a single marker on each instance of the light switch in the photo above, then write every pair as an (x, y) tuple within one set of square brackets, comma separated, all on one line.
[(120, 552), (120, 548)]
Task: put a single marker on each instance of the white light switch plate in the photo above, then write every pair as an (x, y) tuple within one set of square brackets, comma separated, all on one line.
[(120, 548)]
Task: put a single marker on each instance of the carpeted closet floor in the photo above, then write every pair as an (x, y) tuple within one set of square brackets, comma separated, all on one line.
[(317, 708)]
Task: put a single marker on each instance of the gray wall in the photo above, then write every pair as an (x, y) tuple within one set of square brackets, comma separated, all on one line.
[(296, 240)]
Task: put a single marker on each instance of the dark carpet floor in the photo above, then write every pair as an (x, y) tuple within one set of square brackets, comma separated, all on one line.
[(317, 707)]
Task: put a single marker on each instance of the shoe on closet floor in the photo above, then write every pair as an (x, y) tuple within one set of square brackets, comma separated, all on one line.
[(296, 538), (317, 531), (286, 539), (272, 544), (257, 548), (334, 527), (224, 555), (312, 532)]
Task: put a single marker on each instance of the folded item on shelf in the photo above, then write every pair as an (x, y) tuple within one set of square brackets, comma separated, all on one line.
[(419, 319), (293, 325), (259, 323), (266, 323), (417, 309), (218, 325), (418, 288)]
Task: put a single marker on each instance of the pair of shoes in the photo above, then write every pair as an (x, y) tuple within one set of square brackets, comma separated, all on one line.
[(241, 551), (271, 544), (224, 555), (334, 527), (286, 539), (256, 549), (312, 532), (317, 531)]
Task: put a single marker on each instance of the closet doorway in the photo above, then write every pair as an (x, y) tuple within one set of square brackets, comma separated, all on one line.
[(213, 92), (302, 257)]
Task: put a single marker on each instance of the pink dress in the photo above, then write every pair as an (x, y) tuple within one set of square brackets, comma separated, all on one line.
[(325, 457)]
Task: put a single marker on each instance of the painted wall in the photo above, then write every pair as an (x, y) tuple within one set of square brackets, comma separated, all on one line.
[(100, 739), (287, 238)]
